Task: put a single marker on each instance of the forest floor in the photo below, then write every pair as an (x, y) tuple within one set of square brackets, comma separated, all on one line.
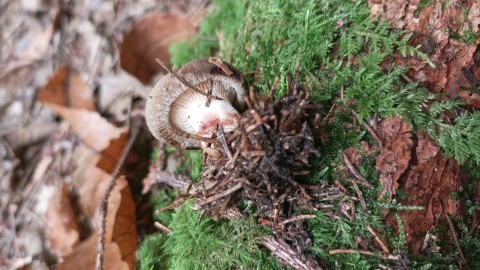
[(381, 175)]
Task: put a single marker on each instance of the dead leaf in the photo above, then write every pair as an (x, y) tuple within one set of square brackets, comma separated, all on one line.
[(63, 232), (120, 237), (110, 156), (395, 155), (430, 184), (93, 129), (115, 93), (125, 231), (151, 38), (84, 257), (67, 89)]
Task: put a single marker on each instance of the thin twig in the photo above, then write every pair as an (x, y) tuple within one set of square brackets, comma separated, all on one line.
[(292, 258), (221, 195), (274, 88), (185, 82), (368, 128), (221, 137), (455, 238), (364, 252), (359, 194), (379, 241), (299, 217), (136, 122), (354, 171), (162, 227)]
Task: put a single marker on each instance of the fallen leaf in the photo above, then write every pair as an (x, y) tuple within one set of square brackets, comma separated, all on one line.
[(111, 155), (84, 257), (115, 93), (63, 232), (124, 230), (93, 129), (69, 90), (151, 38), (120, 237)]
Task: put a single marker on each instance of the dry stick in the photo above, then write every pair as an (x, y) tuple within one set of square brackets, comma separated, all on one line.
[(162, 227), (221, 195), (355, 172), (274, 88), (299, 217), (185, 82), (296, 82), (457, 244), (136, 122), (283, 251), (359, 194), (382, 245), (364, 252), (222, 140), (368, 128)]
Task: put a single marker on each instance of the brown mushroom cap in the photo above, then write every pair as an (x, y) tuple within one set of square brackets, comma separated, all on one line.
[(169, 93)]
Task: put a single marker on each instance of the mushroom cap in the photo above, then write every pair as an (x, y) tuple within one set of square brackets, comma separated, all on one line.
[(160, 118)]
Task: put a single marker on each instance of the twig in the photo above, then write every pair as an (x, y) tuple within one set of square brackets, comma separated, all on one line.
[(221, 137), (299, 217), (162, 227), (172, 180), (221, 195), (457, 244), (368, 128), (274, 88), (296, 81), (136, 122), (173, 205), (283, 251), (219, 63), (185, 82), (377, 239), (359, 194), (364, 252), (354, 171)]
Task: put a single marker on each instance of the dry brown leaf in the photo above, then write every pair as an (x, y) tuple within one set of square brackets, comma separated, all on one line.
[(120, 237), (151, 38), (430, 184), (31, 47), (63, 232), (110, 156), (69, 90), (93, 129), (84, 257), (125, 231), (395, 155)]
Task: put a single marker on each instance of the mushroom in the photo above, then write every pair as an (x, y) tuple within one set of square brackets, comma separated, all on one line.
[(186, 107)]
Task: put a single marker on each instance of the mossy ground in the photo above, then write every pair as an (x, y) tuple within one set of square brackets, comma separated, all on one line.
[(340, 49)]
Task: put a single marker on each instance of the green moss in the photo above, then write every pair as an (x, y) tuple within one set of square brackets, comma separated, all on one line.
[(338, 46), (192, 164), (206, 244), (161, 199), (151, 254), (219, 28)]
